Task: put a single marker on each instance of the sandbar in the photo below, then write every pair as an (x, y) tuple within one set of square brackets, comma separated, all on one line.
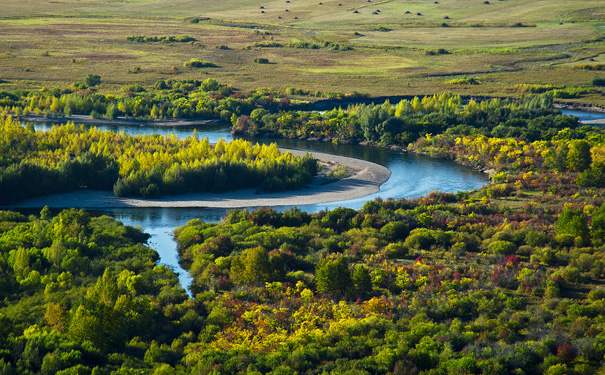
[(367, 180)]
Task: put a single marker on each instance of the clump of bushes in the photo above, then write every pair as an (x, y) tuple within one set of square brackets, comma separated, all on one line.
[(267, 44), (197, 63), (92, 80), (598, 81), (534, 89), (196, 19), (312, 45), (261, 60), (164, 39), (463, 81), (591, 66), (439, 51), (132, 88)]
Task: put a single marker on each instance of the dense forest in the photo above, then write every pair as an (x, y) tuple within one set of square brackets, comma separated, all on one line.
[(507, 279), (72, 157)]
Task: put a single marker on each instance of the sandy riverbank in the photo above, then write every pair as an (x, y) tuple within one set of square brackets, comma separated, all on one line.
[(597, 122), (366, 181), (121, 121)]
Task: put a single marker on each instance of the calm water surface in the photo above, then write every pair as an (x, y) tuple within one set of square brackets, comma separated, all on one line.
[(584, 115)]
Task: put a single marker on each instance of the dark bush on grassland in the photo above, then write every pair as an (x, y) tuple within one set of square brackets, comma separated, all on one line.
[(197, 63), (598, 81)]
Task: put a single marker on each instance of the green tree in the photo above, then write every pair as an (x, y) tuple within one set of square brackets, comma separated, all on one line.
[(597, 228), (92, 80), (85, 327), (362, 281), (573, 223), (72, 225), (210, 84), (251, 267), (578, 157), (333, 276)]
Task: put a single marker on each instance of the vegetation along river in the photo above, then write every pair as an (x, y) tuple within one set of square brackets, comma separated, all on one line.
[(412, 176)]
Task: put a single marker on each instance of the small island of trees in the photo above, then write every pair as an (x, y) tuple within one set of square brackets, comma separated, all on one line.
[(72, 157)]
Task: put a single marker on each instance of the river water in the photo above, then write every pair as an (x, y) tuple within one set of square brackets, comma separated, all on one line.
[(412, 176)]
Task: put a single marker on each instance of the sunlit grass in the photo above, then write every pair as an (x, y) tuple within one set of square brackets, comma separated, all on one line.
[(76, 38)]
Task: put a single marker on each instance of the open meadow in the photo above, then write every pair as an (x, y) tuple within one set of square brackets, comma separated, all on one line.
[(398, 47)]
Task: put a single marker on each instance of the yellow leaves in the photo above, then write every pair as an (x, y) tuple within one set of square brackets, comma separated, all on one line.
[(342, 311), (465, 282), (598, 154), (525, 272), (377, 305)]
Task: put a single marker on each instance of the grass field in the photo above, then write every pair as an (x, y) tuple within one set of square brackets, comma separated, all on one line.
[(382, 50)]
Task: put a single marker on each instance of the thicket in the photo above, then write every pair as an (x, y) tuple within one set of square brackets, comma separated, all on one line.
[(166, 99), (84, 295), (71, 157), (164, 39), (530, 118), (197, 63)]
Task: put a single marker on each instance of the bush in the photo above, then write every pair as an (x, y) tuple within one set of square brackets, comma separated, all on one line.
[(210, 84), (463, 81), (502, 248), (261, 60), (133, 88), (92, 80), (197, 63), (597, 81)]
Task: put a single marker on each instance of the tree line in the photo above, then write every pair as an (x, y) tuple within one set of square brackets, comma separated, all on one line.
[(167, 99), (531, 118)]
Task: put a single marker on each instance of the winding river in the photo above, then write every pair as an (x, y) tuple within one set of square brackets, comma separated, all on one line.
[(412, 176)]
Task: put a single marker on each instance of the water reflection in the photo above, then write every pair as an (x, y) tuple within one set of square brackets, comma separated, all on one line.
[(212, 132)]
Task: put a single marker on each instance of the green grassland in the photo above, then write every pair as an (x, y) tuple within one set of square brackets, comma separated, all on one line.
[(348, 46)]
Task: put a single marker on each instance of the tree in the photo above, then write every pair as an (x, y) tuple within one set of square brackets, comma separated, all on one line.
[(394, 231), (56, 317), (574, 224), (92, 80), (210, 84), (578, 157), (251, 267), (333, 276), (361, 280), (85, 327), (72, 224), (597, 229)]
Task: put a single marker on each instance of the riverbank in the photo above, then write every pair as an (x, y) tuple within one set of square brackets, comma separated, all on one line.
[(122, 121), (367, 180)]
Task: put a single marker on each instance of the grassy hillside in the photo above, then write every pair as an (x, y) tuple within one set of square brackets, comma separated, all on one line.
[(375, 47)]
